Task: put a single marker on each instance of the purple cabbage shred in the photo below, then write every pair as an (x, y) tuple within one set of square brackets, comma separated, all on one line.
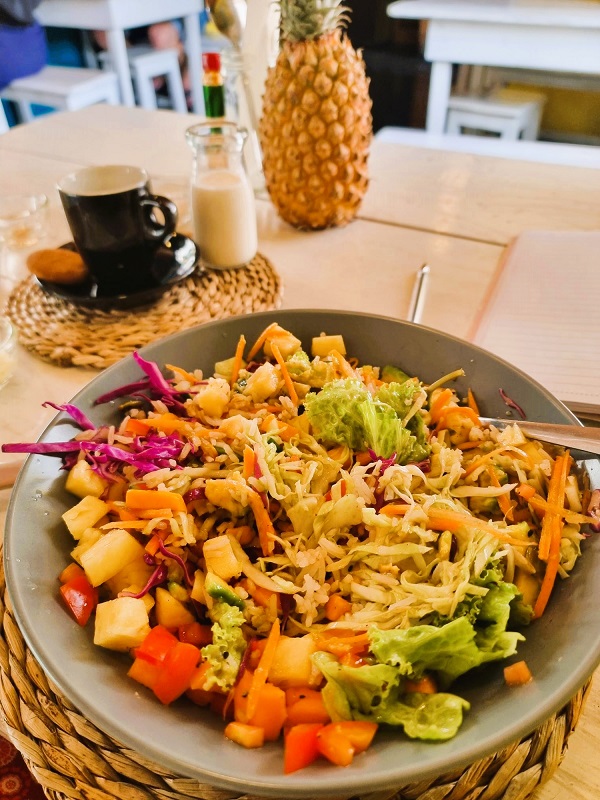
[(121, 391), (158, 576), (179, 560), (78, 415), (511, 404)]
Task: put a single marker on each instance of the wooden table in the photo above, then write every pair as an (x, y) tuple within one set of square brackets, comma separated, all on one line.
[(455, 211), (558, 35), (117, 16)]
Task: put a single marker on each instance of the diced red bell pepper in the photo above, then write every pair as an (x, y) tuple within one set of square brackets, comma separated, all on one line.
[(195, 633), (80, 597), (336, 747), (176, 672), (360, 734), (156, 645), (301, 747), (144, 672)]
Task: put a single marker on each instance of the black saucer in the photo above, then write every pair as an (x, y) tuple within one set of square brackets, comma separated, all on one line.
[(175, 260)]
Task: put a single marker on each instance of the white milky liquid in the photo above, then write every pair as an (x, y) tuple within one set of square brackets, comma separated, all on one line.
[(224, 219)]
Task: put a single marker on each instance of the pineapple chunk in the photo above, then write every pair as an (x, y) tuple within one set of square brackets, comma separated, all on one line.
[(286, 342), (220, 558), (88, 538), (121, 623), (214, 398), (83, 481), (292, 665), (262, 383), (113, 551), (84, 515), (323, 345), (224, 369), (137, 572), (147, 599), (170, 612)]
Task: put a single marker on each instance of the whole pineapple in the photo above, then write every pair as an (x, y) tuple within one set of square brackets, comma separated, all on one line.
[(316, 126)]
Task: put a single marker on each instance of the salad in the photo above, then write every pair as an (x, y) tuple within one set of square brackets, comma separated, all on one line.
[(311, 547)]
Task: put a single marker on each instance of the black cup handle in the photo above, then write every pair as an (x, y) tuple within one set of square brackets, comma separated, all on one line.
[(154, 229)]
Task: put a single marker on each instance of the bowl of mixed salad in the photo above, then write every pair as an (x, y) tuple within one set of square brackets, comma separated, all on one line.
[(283, 554)]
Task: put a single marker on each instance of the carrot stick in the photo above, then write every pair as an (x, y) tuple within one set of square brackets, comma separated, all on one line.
[(182, 373), (154, 498), (458, 411), (285, 374), (525, 491), (440, 402), (249, 460), (556, 494), (472, 403), (344, 367), (237, 359), (266, 531), (467, 445), (261, 673), (447, 520), (395, 509), (261, 340), (482, 460), (551, 569), (504, 501)]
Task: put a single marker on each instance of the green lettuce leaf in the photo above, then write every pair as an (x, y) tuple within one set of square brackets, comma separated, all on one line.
[(345, 412), (227, 648), (456, 647), (375, 694)]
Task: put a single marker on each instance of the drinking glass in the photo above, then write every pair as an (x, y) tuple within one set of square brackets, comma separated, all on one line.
[(23, 222)]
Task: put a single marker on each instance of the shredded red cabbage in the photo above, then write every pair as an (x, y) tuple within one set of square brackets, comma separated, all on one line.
[(179, 560), (158, 576), (158, 382), (121, 391), (78, 415), (593, 510), (47, 448), (511, 404)]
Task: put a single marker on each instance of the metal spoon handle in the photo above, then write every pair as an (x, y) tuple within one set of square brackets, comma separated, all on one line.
[(574, 436)]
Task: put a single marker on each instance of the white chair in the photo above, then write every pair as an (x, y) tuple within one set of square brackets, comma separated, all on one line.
[(511, 114), (146, 64), (63, 88)]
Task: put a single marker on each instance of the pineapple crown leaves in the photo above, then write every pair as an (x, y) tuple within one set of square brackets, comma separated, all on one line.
[(303, 20)]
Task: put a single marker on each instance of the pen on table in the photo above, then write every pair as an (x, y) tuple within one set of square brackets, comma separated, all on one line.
[(417, 300)]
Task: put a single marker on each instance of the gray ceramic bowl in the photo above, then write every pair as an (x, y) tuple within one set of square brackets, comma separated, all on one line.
[(562, 648)]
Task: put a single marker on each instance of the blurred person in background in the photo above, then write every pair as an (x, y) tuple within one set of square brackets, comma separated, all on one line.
[(23, 48)]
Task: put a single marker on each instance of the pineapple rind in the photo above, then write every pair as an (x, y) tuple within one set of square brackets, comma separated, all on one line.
[(315, 132)]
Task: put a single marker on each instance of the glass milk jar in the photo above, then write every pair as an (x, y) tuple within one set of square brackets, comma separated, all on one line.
[(223, 211)]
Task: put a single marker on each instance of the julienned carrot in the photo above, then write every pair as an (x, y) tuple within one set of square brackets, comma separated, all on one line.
[(471, 402), (551, 569), (137, 427), (504, 501), (447, 520), (539, 504), (468, 445), (266, 531), (261, 340), (440, 402), (483, 460), (261, 673), (237, 359), (249, 461), (285, 374), (150, 498), (395, 509), (456, 411), (346, 370), (525, 491), (182, 373), (556, 494)]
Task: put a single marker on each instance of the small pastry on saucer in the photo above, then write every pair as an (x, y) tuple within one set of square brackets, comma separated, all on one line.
[(57, 266)]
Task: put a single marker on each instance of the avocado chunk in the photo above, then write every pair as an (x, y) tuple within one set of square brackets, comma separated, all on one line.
[(219, 590), (391, 374)]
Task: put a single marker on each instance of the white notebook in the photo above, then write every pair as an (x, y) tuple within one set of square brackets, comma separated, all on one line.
[(542, 314)]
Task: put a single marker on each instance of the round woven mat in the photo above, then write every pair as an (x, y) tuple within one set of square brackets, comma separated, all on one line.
[(69, 334), (74, 760)]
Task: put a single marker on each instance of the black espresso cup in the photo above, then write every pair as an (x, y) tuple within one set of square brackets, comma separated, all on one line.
[(115, 225)]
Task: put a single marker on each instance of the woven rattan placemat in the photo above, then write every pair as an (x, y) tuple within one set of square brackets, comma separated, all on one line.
[(68, 334), (74, 760)]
